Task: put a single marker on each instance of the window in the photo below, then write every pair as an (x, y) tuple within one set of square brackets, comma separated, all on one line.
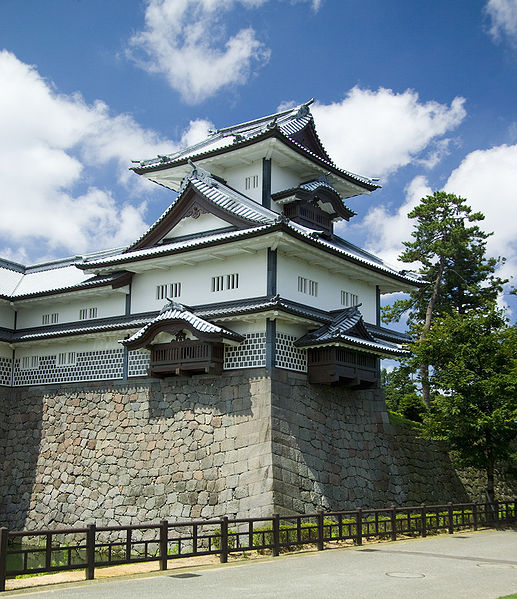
[(161, 292), (164, 291), (218, 283), (251, 182), (50, 318), (349, 299), (232, 281), (28, 362), (174, 289), (307, 286), (222, 282), (66, 358), (85, 313)]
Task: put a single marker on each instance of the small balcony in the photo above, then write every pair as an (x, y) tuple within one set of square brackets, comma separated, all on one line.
[(308, 215), (186, 358), (341, 366)]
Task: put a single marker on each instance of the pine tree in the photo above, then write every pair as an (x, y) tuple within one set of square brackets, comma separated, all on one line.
[(450, 249)]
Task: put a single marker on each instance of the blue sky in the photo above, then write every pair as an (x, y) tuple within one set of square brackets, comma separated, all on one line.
[(420, 94)]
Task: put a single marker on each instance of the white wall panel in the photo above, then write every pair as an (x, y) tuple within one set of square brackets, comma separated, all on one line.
[(330, 285), (196, 282)]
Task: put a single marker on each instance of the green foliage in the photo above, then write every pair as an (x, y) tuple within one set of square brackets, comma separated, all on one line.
[(401, 393), (474, 357), (450, 248)]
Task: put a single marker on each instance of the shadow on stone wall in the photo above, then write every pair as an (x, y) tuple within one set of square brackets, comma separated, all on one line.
[(22, 419), (334, 449), (132, 452), (224, 395)]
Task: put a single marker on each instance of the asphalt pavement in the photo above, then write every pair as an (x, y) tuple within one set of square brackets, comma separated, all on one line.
[(473, 565)]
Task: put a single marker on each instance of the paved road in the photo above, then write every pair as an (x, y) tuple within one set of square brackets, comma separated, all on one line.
[(472, 565)]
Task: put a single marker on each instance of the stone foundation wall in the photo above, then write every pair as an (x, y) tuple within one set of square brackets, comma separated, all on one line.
[(246, 443), (334, 449), (137, 452)]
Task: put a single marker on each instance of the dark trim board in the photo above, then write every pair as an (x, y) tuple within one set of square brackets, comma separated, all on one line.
[(266, 183)]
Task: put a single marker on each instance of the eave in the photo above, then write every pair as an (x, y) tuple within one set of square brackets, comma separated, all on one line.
[(280, 233), (360, 185)]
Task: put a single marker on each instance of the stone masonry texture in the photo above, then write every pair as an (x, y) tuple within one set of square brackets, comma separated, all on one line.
[(246, 443)]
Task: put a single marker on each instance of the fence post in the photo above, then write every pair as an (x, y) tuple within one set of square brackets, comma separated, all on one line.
[(164, 541), (423, 518), (90, 552), (129, 534), (451, 518), (320, 530), (4, 533), (276, 535), (393, 523), (475, 515), (359, 526), (224, 540), (496, 513)]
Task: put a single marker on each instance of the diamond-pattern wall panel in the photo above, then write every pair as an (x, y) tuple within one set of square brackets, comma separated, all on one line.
[(138, 363), (287, 355), (5, 372), (251, 353), (98, 365)]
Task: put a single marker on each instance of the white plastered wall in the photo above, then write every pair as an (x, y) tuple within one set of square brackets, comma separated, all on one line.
[(68, 309), (196, 282), (75, 344), (6, 316), (282, 178), (191, 226), (330, 285), (236, 178), (5, 351)]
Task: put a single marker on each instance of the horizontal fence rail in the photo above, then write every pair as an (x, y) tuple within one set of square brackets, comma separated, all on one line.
[(57, 550)]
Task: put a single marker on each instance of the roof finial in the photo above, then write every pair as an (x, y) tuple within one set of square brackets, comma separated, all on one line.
[(172, 305), (303, 109)]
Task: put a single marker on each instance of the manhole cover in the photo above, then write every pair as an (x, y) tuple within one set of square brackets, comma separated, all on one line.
[(405, 574), (185, 575), (495, 565)]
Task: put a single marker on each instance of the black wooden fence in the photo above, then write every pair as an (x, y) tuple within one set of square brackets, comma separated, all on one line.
[(32, 552)]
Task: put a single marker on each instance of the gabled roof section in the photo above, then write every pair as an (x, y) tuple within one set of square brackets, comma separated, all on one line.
[(173, 318), (295, 127), (319, 190), (202, 193), (348, 328)]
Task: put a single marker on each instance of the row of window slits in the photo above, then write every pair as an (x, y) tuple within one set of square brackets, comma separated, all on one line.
[(310, 287), (84, 314), (251, 182)]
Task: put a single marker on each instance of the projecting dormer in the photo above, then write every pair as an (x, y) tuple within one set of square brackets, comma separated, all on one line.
[(314, 204)]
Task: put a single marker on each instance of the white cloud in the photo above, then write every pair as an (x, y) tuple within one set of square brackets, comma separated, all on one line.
[(187, 42), (377, 132), (387, 230), (487, 179), (503, 19), (51, 147)]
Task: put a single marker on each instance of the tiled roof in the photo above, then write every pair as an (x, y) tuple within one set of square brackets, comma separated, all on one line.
[(81, 328), (221, 195), (288, 122), (235, 202), (285, 124), (174, 312), (348, 328), (342, 248)]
